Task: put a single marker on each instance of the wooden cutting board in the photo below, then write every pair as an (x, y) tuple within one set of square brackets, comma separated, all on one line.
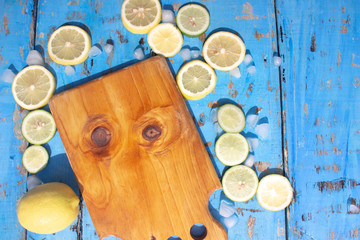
[(140, 163)]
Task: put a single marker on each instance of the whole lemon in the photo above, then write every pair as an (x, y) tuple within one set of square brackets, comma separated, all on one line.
[(48, 208)]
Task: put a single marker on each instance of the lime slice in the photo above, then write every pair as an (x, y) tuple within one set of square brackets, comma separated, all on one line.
[(69, 45), (193, 20), (231, 149), (274, 192), (35, 159), (38, 127), (165, 39), (196, 79), (33, 86), (231, 118), (240, 183), (140, 16), (224, 51)]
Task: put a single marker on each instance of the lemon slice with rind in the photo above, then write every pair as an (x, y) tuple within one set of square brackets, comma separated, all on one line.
[(193, 20), (33, 87), (140, 16), (165, 39), (224, 51), (231, 149), (231, 118), (196, 79), (69, 45), (35, 158), (275, 192)]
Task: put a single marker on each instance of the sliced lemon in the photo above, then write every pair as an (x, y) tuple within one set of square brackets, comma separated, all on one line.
[(231, 118), (165, 39), (35, 158), (140, 16), (224, 51), (69, 45), (33, 87), (274, 192), (231, 149), (193, 20), (240, 183), (196, 79), (38, 127)]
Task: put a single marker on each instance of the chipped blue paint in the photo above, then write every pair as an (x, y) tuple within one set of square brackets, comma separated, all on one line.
[(321, 104)]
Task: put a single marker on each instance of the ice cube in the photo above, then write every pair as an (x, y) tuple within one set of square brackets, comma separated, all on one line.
[(185, 54), (213, 114), (277, 60), (253, 143), (139, 53), (252, 120), (33, 181), (354, 209), (249, 160), (262, 130), (24, 112), (34, 58), (248, 59), (217, 129), (229, 222), (7, 76), (195, 53), (226, 209), (108, 48), (69, 70), (94, 51), (167, 16), (235, 72), (251, 69)]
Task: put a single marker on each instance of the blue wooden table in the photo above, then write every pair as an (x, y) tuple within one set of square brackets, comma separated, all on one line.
[(312, 103)]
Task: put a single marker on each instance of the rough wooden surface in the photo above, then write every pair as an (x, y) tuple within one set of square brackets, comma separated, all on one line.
[(312, 108), (141, 165)]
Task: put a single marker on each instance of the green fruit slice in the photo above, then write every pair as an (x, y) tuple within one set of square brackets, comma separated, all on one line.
[(35, 159), (231, 118), (231, 149), (193, 20), (38, 127), (240, 183)]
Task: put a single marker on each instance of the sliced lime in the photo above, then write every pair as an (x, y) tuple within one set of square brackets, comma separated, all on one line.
[(274, 192), (193, 20), (35, 158), (38, 127), (240, 183), (231, 149), (231, 118)]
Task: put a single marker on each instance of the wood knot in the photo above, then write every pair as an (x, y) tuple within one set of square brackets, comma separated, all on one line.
[(101, 136), (151, 132)]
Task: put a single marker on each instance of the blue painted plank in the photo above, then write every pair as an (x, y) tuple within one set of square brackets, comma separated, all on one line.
[(320, 77), (255, 23), (15, 43)]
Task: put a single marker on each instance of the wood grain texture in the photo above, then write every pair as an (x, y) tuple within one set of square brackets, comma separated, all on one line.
[(15, 43), (140, 163), (319, 41)]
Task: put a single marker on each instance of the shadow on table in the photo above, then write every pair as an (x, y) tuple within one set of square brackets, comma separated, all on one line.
[(59, 170)]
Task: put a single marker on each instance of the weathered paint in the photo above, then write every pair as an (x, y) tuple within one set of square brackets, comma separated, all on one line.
[(319, 41), (13, 19)]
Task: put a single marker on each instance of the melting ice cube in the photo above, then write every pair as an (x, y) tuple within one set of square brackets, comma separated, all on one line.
[(235, 72), (139, 53), (94, 51), (167, 16), (195, 53), (248, 59), (69, 70), (32, 181), (7, 76), (226, 209), (262, 130), (277, 61), (108, 48), (252, 120), (229, 222), (34, 58), (249, 160), (251, 69), (253, 143), (185, 54)]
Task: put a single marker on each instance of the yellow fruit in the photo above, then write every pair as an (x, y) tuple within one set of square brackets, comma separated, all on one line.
[(69, 45), (140, 17), (48, 208)]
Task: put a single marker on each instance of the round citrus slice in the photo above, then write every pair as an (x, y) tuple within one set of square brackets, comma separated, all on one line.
[(231, 149), (231, 118), (193, 20), (140, 17), (33, 87), (224, 51), (69, 45), (35, 158), (240, 183), (38, 127), (165, 39), (274, 192), (196, 79)]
